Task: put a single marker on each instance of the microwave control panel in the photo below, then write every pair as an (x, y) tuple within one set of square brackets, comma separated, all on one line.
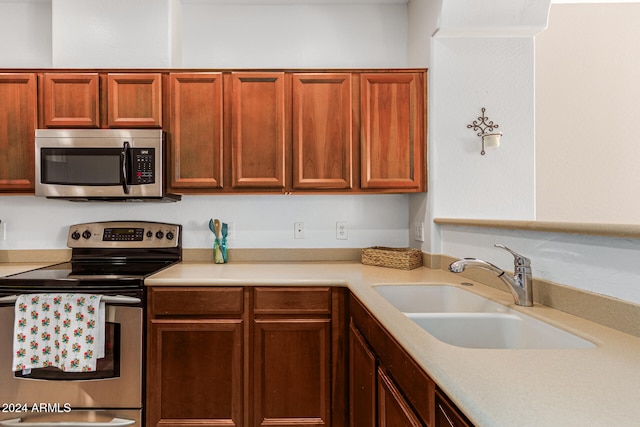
[(143, 165)]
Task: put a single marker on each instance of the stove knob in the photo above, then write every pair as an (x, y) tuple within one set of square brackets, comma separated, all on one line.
[(86, 234), (170, 235), (149, 233), (159, 234), (75, 235)]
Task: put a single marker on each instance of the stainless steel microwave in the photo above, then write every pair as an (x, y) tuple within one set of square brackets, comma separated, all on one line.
[(101, 164)]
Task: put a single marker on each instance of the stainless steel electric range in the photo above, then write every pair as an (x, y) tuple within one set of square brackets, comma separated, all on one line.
[(109, 259)]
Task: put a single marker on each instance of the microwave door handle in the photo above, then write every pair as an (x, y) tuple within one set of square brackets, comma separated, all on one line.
[(124, 176)]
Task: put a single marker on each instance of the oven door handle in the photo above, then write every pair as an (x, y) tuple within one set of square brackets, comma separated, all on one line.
[(116, 422), (107, 299)]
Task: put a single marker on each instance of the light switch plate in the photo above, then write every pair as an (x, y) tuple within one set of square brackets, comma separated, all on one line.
[(418, 231)]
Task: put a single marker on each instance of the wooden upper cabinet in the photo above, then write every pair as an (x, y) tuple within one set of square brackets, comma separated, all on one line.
[(393, 131), (18, 121), (196, 140), (71, 100), (259, 130), (134, 100), (322, 131)]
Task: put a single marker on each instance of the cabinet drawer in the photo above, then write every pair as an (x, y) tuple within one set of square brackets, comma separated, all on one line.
[(196, 301), (292, 300)]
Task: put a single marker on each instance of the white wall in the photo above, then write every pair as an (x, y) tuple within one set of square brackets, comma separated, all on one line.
[(470, 68), (604, 265), (298, 36), (95, 33), (587, 92), (117, 33), (484, 60), (259, 221), (471, 73), (25, 30)]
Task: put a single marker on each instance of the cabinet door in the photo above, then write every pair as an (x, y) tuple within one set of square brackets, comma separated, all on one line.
[(362, 381), (292, 372), (18, 119), (71, 100), (258, 130), (195, 373), (134, 100), (393, 409), (393, 131), (447, 415), (196, 131), (322, 131)]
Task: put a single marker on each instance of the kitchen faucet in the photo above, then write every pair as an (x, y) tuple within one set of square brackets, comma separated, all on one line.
[(520, 284)]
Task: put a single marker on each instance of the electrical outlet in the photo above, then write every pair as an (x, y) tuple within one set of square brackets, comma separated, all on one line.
[(418, 231), (298, 230), (341, 230), (3, 230), (231, 231)]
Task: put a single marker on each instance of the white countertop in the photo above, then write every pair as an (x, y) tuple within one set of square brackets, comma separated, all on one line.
[(18, 267), (586, 387), (503, 388)]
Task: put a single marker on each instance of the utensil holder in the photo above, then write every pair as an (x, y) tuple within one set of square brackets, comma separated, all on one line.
[(220, 251)]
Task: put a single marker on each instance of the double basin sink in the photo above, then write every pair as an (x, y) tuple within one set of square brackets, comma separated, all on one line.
[(465, 319)]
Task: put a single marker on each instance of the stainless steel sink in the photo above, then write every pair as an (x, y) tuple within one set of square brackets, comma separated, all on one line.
[(464, 319)]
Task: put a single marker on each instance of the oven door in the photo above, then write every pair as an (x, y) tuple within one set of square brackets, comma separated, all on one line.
[(116, 384)]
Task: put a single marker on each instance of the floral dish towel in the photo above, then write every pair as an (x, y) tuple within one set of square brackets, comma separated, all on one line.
[(66, 331)]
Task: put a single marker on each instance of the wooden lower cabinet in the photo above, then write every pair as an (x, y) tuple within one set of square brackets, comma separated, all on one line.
[(375, 399), (292, 357), (292, 372), (196, 357), (447, 415), (362, 381), (393, 408), (387, 388), (246, 356), (281, 356), (199, 373)]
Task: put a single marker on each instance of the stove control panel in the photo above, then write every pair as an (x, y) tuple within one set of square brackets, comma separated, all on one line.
[(124, 234)]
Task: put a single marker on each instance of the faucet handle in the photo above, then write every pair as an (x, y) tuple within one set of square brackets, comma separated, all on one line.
[(518, 260)]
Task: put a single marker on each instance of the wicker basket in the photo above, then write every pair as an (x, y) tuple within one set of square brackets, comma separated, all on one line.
[(401, 258)]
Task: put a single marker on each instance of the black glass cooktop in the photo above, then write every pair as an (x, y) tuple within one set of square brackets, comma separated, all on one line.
[(81, 274)]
